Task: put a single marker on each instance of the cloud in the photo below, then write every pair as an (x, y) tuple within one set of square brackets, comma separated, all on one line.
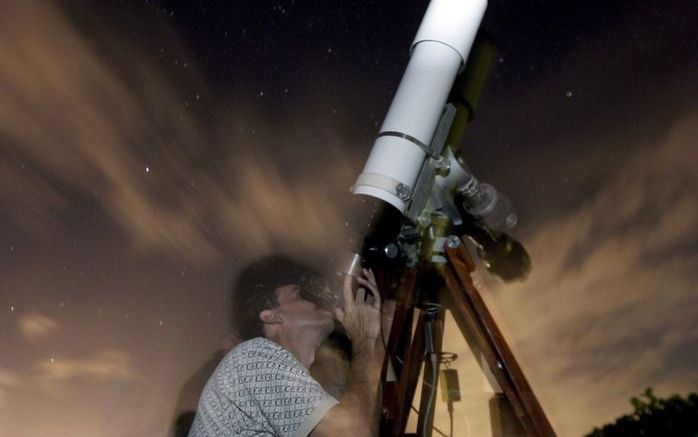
[(31, 195), (90, 118), (58, 376), (34, 326), (71, 117), (107, 364), (622, 99), (609, 308), (8, 380)]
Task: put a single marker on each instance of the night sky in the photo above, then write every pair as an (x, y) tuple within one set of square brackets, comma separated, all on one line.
[(148, 150)]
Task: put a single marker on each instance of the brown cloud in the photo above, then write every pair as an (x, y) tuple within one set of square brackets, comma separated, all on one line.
[(59, 376), (99, 120), (29, 196), (109, 364), (72, 116), (8, 380), (34, 326), (609, 308)]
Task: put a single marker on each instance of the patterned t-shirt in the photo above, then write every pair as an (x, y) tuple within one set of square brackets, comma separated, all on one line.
[(260, 389)]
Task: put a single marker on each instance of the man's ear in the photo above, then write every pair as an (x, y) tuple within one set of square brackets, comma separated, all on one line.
[(270, 317)]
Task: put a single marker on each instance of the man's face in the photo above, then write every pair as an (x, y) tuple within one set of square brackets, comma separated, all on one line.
[(301, 309)]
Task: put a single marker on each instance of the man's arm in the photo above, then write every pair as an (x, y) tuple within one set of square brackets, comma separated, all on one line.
[(358, 410)]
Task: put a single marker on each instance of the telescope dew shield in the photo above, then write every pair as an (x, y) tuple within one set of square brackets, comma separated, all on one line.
[(440, 48)]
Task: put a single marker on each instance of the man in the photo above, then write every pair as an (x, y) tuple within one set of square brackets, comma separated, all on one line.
[(263, 386)]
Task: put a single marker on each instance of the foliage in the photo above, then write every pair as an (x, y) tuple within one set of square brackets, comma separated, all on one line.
[(674, 416)]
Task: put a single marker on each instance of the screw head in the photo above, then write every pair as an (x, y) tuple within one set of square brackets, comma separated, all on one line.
[(452, 241), (403, 192), (511, 221), (442, 166)]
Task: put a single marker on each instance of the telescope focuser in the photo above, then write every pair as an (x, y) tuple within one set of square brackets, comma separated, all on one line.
[(485, 203)]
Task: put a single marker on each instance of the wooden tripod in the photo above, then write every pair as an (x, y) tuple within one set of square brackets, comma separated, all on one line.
[(407, 347)]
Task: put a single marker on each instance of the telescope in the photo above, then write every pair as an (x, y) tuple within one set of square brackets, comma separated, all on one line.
[(415, 175), (416, 203)]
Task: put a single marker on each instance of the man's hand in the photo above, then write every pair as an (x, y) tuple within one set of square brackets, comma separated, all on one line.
[(358, 410), (361, 316)]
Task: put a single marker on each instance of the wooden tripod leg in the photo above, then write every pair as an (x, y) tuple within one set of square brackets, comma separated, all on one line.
[(406, 351), (472, 315), (405, 354)]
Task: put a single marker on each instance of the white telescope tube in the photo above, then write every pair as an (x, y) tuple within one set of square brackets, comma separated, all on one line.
[(440, 48)]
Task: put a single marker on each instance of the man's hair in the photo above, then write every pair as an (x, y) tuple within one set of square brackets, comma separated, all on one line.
[(254, 290)]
